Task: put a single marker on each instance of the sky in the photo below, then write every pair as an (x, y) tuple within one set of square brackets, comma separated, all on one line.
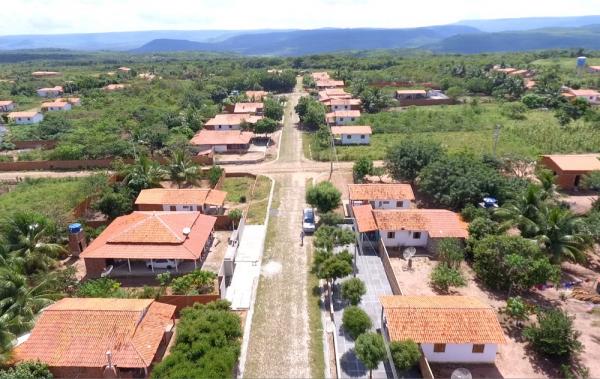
[(88, 16)]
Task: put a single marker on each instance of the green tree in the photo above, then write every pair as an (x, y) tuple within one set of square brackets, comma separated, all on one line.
[(370, 349), (443, 277), (182, 169), (114, 204), (352, 290), (235, 215), (361, 168), (265, 126), (591, 181), (273, 108), (405, 160), (331, 267), (327, 237), (143, 173), (356, 321), (214, 175), (451, 252), (517, 309), (455, 92), (324, 196), (405, 354), (102, 287), (196, 282), (554, 335), (27, 370), (374, 100)]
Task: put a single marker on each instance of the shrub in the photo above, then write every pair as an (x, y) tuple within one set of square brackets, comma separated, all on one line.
[(356, 321), (331, 219), (114, 204), (443, 277), (102, 287), (591, 181), (516, 308), (214, 174), (451, 252), (327, 237), (195, 283), (27, 370), (405, 354), (330, 267), (361, 168), (370, 349), (554, 335), (352, 290), (323, 196)]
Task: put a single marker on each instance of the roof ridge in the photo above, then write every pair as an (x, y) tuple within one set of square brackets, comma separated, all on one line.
[(168, 227)]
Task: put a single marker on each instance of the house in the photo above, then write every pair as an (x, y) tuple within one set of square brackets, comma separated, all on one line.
[(25, 118), (333, 93), (342, 117), (50, 92), (337, 104), (7, 105), (594, 69), (399, 228), (56, 106), (592, 96), (329, 83), (230, 121), (256, 95), (147, 76), (125, 70), (352, 135), (250, 108), (113, 87), (139, 238), (207, 201), (100, 337), (570, 168), (74, 101), (316, 76), (381, 195), (411, 94), (504, 70), (449, 329), (44, 74), (229, 141)]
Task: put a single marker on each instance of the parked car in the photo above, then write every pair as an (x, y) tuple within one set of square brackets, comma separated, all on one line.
[(161, 263), (308, 220)]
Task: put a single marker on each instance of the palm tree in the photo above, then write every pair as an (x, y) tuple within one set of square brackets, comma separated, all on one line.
[(523, 212), (143, 173), (561, 233), (6, 341), (182, 169)]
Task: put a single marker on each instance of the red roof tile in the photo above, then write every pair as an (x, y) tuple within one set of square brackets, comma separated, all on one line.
[(575, 162), (368, 192), (365, 221), (439, 223), (232, 119), (191, 196), (352, 129), (248, 107), (221, 137)]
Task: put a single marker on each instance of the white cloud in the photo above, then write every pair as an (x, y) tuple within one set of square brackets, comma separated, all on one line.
[(84, 16)]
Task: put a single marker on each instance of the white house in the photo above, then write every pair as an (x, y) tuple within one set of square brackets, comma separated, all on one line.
[(352, 135), (381, 195), (592, 96), (24, 118), (207, 201), (50, 92), (7, 105), (449, 329), (337, 104), (56, 106), (342, 117), (249, 108), (230, 121)]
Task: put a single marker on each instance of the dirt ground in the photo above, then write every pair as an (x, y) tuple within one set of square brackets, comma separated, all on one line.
[(580, 204)]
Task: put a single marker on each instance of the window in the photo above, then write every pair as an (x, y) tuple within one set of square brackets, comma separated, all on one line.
[(417, 235), (362, 136), (399, 204), (173, 208), (348, 136), (352, 119), (439, 347), (478, 348), (391, 235), (385, 202)]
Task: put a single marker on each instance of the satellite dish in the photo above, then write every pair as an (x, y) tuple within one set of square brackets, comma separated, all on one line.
[(186, 231), (409, 252), (461, 373)]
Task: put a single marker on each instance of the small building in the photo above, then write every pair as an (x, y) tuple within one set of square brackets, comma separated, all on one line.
[(135, 241), (100, 337), (592, 96), (333, 93), (411, 94), (352, 135), (594, 69), (337, 104), (124, 70), (56, 106), (26, 118), (449, 329), (230, 141), (530, 84), (329, 83), (381, 195), (7, 105), (316, 76), (147, 76), (206, 201), (256, 95), (230, 121), (113, 87), (342, 117), (569, 169), (504, 70), (74, 101), (50, 92), (249, 108), (44, 74)]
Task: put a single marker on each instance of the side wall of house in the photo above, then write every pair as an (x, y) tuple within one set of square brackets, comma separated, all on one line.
[(389, 204), (461, 353), (404, 238), (356, 139)]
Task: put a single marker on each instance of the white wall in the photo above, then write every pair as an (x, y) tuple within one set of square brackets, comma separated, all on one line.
[(389, 204), (461, 353), (48, 93), (403, 238), (220, 148), (355, 139), (227, 127), (7, 108), (29, 120), (340, 108), (181, 208), (344, 120), (67, 107)]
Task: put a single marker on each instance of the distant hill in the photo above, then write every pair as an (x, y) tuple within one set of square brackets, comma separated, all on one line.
[(530, 23), (587, 37), (313, 41)]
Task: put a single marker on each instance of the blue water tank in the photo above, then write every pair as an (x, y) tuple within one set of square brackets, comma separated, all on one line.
[(581, 62), (489, 202), (74, 228)]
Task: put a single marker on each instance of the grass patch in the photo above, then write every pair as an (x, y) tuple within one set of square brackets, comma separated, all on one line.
[(237, 187), (257, 211)]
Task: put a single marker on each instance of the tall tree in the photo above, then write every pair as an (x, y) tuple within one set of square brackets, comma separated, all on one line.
[(370, 349), (143, 173), (182, 169)]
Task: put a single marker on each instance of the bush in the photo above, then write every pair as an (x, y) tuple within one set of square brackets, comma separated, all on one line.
[(27, 370), (330, 267), (324, 196), (516, 308), (406, 159), (327, 237), (352, 290), (554, 335), (443, 277), (591, 181), (102, 287), (514, 111), (331, 219), (405, 354), (362, 167), (114, 204), (214, 174), (356, 321), (195, 283), (450, 252)]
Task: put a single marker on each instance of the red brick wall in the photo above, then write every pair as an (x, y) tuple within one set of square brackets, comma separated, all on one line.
[(425, 102), (34, 144), (94, 267), (182, 301)]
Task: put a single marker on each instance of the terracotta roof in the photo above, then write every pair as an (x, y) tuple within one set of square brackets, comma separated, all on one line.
[(221, 137), (4, 103), (365, 221), (45, 73), (576, 162), (584, 92), (113, 87), (195, 196), (395, 191), (595, 68), (344, 113), (78, 332), (339, 101), (441, 319), (247, 107), (320, 75), (355, 129), (518, 72), (506, 70), (256, 95), (439, 223), (232, 119), (411, 92), (57, 103), (329, 83), (126, 69), (55, 88), (22, 114), (153, 235)]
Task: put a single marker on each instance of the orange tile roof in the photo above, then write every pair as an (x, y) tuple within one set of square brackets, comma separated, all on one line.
[(367, 192), (506, 70), (576, 162), (584, 92), (192, 196), (441, 319), (125, 69), (56, 103), (153, 235), (55, 88), (232, 119), (78, 332), (344, 113), (23, 114), (518, 72), (594, 68), (320, 75), (221, 137), (439, 223), (340, 101), (256, 95), (354, 129), (247, 107), (329, 83), (4, 103), (113, 87), (363, 214)]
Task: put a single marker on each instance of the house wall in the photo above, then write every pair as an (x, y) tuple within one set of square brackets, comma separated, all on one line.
[(340, 108), (404, 238), (94, 267), (425, 102), (48, 93), (391, 204), (565, 180), (355, 139), (67, 107), (29, 120), (7, 108), (590, 99), (344, 120), (461, 353), (227, 127)]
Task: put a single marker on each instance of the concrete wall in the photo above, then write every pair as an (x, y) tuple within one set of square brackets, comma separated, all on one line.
[(355, 139), (404, 238), (94, 267), (391, 204), (389, 271), (461, 353), (344, 120), (28, 120)]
